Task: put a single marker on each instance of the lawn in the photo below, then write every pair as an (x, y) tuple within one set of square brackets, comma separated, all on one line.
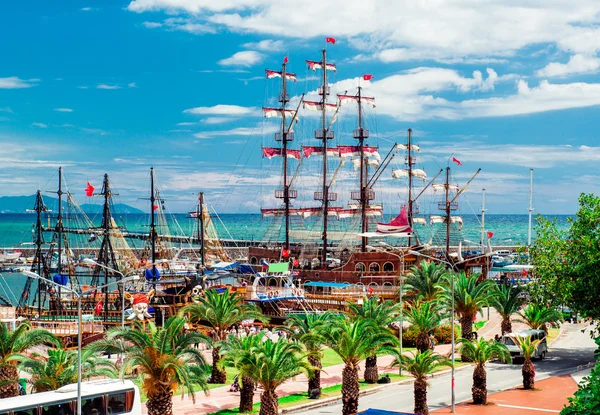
[(552, 334)]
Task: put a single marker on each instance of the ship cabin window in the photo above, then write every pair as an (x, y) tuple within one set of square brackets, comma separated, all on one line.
[(272, 261), (388, 266), (253, 260), (374, 267), (360, 267), (387, 285), (374, 285), (272, 282)]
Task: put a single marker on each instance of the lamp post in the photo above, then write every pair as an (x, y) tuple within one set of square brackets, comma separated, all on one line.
[(78, 295), (454, 269), (401, 259)]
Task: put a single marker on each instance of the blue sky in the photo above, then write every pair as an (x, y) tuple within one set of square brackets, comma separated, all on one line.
[(119, 86)]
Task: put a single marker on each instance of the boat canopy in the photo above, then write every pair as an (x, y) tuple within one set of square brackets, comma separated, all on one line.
[(327, 284), (230, 266)]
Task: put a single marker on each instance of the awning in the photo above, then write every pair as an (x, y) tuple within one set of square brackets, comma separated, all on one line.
[(327, 284), (372, 411)]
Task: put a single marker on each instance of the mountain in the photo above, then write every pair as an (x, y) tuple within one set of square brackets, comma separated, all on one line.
[(20, 204)]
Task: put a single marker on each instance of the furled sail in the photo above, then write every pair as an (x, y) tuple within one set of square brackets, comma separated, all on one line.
[(308, 151), (270, 152), (345, 99), (404, 147), (303, 212), (354, 212), (396, 174), (420, 221), (314, 65), (442, 219), (278, 112), (370, 161), (276, 74), (354, 151), (318, 106), (451, 187)]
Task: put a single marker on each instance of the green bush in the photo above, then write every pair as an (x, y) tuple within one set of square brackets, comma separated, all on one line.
[(587, 398), (409, 337), (443, 334)]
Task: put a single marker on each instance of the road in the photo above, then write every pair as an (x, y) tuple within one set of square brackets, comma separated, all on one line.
[(571, 349)]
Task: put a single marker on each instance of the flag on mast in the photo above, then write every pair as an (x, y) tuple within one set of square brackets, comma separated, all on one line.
[(330, 40), (285, 60), (89, 190), (457, 161), (367, 77)]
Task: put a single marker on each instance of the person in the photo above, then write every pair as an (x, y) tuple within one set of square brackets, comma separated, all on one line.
[(475, 335), (151, 273), (496, 338)]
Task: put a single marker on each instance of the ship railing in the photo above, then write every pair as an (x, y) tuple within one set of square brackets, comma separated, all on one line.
[(266, 293), (68, 328)]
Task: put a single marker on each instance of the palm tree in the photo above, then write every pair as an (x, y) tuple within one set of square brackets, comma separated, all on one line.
[(537, 316), (424, 281), (12, 344), (60, 368), (234, 348), (164, 357), (270, 364), (507, 303), (528, 348), (307, 329), (382, 314), (469, 298), (482, 351), (425, 316), (420, 365), (353, 340), (221, 312)]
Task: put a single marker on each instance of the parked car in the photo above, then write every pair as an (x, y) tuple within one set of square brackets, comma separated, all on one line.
[(515, 351)]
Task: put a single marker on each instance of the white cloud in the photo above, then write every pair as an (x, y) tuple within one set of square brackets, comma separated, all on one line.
[(244, 131), (221, 110), (63, 110), (266, 45), (6, 109), (39, 124), (184, 124), (577, 64), (152, 25), (190, 25), (14, 82), (89, 9), (217, 120), (132, 85), (244, 58), (107, 86), (450, 30)]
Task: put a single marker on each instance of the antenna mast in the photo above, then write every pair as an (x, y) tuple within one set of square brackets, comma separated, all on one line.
[(410, 184), (530, 207), (200, 218), (482, 217), (152, 221)]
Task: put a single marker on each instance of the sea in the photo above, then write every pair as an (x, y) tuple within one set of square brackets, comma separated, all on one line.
[(16, 231)]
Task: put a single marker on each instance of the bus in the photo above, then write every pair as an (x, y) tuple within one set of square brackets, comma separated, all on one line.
[(99, 397)]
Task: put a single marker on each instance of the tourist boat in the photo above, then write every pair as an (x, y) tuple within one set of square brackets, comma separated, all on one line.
[(9, 256)]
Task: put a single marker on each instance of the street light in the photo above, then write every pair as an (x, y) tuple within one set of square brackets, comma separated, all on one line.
[(78, 295), (401, 259), (453, 266)]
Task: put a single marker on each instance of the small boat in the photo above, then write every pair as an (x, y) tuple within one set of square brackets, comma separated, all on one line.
[(9, 256), (499, 262)]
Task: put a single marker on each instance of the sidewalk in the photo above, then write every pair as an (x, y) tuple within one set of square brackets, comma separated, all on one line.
[(550, 396)]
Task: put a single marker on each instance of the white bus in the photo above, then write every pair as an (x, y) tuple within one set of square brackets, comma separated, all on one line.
[(100, 397)]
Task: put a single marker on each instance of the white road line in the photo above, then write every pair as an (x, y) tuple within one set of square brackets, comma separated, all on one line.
[(529, 408)]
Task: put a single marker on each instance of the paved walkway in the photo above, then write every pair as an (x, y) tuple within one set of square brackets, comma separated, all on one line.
[(221, 398), (549, 397)]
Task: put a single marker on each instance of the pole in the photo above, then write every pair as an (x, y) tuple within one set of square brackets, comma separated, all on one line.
[(325, 187), (286, 196), (152, 224), (363, 188), (401, 308), (530, 207), (448, 213), (410, 184), (79, 329), (59, 224), (483, 217), (200, 217), (453, 345)]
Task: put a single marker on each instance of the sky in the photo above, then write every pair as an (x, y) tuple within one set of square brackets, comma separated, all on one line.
[(119, 86)]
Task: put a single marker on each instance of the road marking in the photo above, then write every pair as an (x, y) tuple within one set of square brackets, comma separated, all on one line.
[(529, 408)]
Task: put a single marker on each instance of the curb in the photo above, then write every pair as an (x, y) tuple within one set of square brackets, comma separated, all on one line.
[(335, 399)]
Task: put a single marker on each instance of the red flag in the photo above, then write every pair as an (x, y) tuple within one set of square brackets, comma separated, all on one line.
[(89, 190), (296, 262), (457, 161), (367, 77), (490, 234), (285, 60), (285, 253), (330, 40), (98, 308), (155, 207)]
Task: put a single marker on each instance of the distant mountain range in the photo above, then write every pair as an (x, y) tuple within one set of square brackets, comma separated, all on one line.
[(20, 204)]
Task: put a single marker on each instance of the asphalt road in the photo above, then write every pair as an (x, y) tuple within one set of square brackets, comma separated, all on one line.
[(571, 349)]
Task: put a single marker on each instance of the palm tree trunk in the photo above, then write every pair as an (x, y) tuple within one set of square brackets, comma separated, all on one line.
[(420, 390), (506, 325), (371, 373), (423, 342), (528, 372), (247, 394), (479, 389), (161, 403), (218, 376), (269, 405), (315, 381), (466, 324), (9, 372), (350, 390)]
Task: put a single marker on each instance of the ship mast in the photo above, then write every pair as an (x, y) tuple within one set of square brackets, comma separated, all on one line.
[(59, 222), (482, 218), (283, 98), (200, 218), (410, 185), (448, 218), (530, 209), (152, 222)]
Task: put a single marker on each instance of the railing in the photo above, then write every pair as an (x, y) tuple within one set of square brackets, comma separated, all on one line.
[(273, 293)]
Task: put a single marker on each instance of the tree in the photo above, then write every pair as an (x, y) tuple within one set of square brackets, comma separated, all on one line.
[(587, 398), (12, 345), (221, 312), (164, 357), (235, 349), (424, 281), (425, 317), (60, 368), (353, 340), (307, 329), (382, 314), (482, 351), (420, 365), (528, 348), (537, 316), (507, 303), (469, 298), (270, 364), (566, 261)]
